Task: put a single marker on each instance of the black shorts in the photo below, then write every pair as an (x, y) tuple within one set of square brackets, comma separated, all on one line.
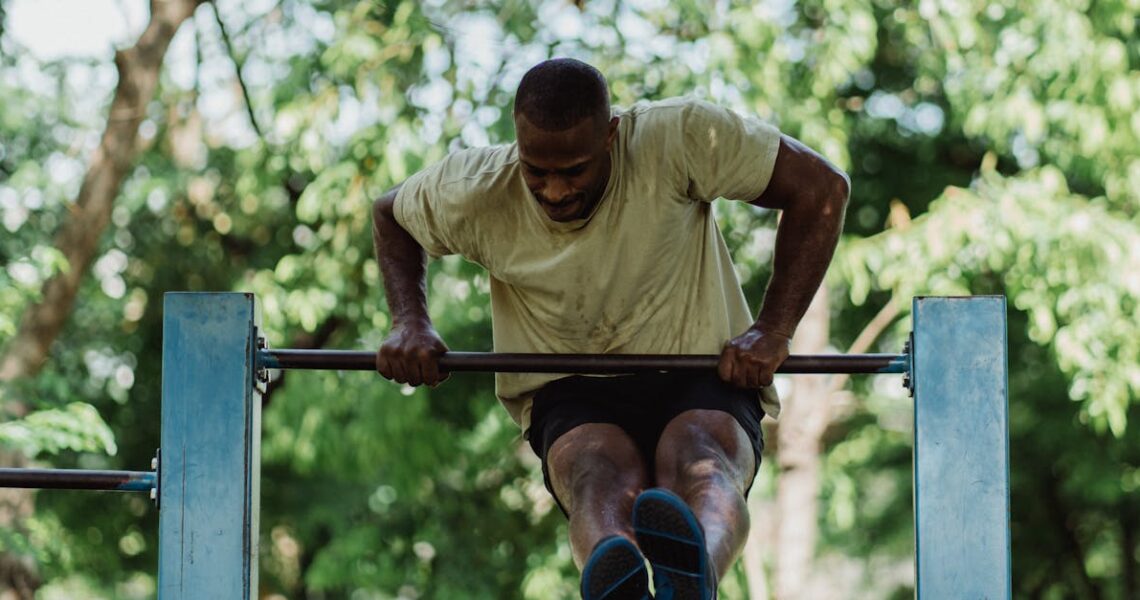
[(642, 405)]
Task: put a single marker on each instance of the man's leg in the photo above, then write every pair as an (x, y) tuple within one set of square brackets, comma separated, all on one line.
[(596, 471), (706, 458)]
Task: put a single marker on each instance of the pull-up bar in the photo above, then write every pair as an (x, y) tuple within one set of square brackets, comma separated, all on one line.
[(590, 364), (211, 430), (78, 479)]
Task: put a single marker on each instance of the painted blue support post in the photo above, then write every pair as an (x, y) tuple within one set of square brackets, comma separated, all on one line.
[(961, 448), (209, 476)]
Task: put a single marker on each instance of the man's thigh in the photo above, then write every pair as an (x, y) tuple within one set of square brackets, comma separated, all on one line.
[(714, 426), (624, 419), (701, 444), (594, 459)]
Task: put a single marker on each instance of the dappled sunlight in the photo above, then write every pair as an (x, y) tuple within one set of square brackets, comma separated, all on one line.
[(993, 148)]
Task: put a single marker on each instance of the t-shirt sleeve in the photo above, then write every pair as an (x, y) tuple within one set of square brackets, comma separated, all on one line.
[(727, 155), (430, 213)]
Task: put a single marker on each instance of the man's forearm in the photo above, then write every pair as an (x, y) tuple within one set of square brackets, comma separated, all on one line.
[(403, 264), (805, 242)]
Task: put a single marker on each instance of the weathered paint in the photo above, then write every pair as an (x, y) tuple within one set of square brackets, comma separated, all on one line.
[(961, 448), (211, 428), (898, 364), (210, 459)]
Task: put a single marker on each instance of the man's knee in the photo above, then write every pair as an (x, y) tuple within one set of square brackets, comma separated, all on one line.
[(705, 447), (595, 459)]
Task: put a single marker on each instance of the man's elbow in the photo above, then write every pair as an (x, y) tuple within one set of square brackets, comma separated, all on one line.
[(836, 191)]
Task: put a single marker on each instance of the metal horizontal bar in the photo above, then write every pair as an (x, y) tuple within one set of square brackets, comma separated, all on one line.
[(78, 479), (579, 363)]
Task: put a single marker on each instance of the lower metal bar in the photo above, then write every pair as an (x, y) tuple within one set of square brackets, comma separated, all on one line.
[(78, 479), (579, 363)]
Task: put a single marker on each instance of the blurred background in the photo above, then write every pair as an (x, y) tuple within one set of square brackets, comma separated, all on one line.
[(993, 146)]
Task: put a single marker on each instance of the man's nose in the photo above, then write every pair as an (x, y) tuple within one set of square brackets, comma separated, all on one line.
[(556, 190)]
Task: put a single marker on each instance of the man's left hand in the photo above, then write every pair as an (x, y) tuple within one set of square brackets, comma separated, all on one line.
[(750, 359)]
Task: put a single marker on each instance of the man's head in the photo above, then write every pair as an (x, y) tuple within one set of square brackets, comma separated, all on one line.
[(565, 132)]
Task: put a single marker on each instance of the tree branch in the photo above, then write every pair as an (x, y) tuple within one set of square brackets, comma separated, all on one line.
[(197, 61), (1060, 515), (238, 66), (1129, 519), (139, 68), (865, 339)]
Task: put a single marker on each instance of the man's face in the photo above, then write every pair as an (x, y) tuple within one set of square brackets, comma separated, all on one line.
[(567, 171)]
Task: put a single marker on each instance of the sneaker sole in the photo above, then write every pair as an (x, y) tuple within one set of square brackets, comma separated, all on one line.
[(672, 540), (615, 571)]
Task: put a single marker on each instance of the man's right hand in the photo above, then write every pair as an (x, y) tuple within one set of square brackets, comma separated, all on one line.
[(411, 355)]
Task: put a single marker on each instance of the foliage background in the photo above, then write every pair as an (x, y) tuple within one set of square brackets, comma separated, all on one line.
[(994, 147)]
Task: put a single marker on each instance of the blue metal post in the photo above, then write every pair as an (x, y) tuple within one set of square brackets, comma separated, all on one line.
[(961, 448), (209, 476)]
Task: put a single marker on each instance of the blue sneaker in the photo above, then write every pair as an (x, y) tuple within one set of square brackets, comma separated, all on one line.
[(674, 542), (615, 571)]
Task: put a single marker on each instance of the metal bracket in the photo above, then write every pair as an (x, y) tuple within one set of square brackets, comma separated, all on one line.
[(156, 466), (908, 377), (261, 375)]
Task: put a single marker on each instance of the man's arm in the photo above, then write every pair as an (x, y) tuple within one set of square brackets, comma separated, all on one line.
[(411, 352), (812, 193)]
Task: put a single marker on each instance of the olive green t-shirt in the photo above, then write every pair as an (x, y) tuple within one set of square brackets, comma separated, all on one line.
[(647, 272)]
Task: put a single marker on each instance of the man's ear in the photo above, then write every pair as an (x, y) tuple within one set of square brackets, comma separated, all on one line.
[(612, 133)]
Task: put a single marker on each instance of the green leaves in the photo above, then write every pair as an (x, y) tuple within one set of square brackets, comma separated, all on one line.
[(1069, 263), (1009, 129), (76, 427), (1047, 82)]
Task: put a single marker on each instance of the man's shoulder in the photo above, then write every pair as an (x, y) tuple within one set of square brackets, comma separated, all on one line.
[(653, 134), (653, 112), (676, 111), (464, 182), (477, 168), (663, 122)]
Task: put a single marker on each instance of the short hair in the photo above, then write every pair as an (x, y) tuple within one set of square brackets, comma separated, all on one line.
[(559, 93)]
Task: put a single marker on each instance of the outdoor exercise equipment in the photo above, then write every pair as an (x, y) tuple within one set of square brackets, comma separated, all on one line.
[(206, 479)]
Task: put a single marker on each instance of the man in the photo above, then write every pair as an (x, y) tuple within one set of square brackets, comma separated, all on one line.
[(596, 229)]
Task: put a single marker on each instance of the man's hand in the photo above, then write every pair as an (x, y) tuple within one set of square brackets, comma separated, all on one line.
[(411, 355), (750, 360)]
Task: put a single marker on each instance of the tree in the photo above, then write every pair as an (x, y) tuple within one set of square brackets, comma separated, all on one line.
[(991, 147), (78, 238)]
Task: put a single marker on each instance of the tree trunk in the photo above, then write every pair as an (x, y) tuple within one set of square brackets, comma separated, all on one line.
[(19, 578), (759, 542), (803, 420), (139, 68), (1128, 522)]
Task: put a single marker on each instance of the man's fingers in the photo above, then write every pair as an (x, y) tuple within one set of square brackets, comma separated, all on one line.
[(430, 371), (397, 364), (725, 367), (415, 373), (411, 357), (399, 371), (749, 377), (417, 368), (433, 376), (745, 376), (388, 366), (752, 373), (427, 366)]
